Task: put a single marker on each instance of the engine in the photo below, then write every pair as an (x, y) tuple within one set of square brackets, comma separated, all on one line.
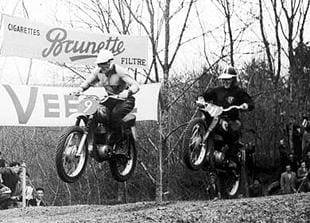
[(219, 157)]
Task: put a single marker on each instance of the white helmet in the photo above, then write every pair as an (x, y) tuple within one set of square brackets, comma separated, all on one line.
[(228, 73), (104, 56)]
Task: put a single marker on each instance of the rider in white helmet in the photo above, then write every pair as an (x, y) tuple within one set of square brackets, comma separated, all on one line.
[(227, 95), (114, 78), (116, 81)]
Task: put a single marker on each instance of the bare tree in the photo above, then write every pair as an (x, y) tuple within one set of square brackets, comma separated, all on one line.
[(228, 7), (288, 19), (165, 20)]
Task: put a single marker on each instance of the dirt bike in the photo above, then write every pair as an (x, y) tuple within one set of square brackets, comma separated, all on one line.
[(205, 149), (86, 139)]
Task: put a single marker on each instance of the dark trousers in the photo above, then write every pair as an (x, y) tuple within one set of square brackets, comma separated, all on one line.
[(231, 137), (112, 113)]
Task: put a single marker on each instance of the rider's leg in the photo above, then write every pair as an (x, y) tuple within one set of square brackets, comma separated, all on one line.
[(5, 194), (102, 114), (119, 111), (234, 133)]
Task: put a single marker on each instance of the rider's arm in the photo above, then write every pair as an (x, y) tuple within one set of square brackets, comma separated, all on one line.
[(132, 84), (209, 95), (246, 98), (93, 78)]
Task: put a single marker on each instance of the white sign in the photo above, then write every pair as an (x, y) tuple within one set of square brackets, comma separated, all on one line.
[(29, 39), (53, 106)]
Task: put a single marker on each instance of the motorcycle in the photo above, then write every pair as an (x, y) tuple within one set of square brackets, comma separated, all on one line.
[(206, 149), (86, 139)]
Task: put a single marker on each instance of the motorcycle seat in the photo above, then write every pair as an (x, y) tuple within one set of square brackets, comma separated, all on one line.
[(218, 137), (239, 144), (129, 120)]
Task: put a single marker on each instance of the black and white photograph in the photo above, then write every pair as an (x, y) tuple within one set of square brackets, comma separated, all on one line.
[(149, 111)]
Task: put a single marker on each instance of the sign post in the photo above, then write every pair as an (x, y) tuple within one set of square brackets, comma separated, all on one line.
[(23, 184)]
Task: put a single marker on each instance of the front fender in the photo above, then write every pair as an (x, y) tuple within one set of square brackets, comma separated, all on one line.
[(81, 116)]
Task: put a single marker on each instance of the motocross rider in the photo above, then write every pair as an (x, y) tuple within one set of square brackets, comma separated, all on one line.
[(116, 81), (229, 125)]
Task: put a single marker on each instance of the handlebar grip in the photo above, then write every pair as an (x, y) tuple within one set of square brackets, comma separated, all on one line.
[(75, 94), (201, 102)]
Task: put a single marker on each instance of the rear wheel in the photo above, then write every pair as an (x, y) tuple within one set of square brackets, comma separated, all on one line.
[(123, 162), (194, 151), (70, 166), (231, 184)]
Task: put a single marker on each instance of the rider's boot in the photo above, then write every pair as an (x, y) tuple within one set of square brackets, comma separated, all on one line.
[(92, 127), (232, 161), (115, 135)]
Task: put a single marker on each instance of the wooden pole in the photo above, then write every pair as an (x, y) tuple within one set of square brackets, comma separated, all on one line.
[(23, 184), (159, 174)]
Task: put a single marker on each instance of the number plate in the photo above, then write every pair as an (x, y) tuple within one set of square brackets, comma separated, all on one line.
[(88, 106)]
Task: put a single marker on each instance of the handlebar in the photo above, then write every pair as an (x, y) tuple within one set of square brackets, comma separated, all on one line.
[(232, 107), (96, 98), (215, 110)]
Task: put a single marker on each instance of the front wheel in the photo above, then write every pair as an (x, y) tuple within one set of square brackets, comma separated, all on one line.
[(70, 166), (123, 162), (194, 153)]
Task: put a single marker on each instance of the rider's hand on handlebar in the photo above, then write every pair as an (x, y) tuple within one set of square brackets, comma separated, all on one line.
[(200, 101), (124, 94), (77, 92), (244, 106)]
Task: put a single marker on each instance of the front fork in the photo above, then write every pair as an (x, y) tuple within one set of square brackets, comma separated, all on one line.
[(85, 135), (211, 127), (82, 143)]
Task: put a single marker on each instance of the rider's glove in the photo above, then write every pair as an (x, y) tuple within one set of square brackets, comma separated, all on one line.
[(244, 106), (77, 92), (201, 99), (200, 102), (125, 94)]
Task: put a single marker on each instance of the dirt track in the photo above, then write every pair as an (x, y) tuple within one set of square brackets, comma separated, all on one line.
[(288, 208)]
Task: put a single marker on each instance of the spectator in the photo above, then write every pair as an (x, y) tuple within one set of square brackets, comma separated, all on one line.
[(302, 173), (294, 137), (292, 161), (213, 188), (38, 201), (307, 160), (288, 181), (256, 189), (4, 195), (283, 151), (305, 145), (28, 190), (11, 178), (2, 161)]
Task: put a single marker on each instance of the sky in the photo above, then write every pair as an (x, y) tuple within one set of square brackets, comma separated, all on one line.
[(190, 58)]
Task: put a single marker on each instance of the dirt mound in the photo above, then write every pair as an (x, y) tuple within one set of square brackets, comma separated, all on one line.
[(288, 208)]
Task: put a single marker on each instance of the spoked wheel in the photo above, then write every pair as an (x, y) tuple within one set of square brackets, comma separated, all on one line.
[(70, 166), (123, 162), (231, 183), (194, 151)]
